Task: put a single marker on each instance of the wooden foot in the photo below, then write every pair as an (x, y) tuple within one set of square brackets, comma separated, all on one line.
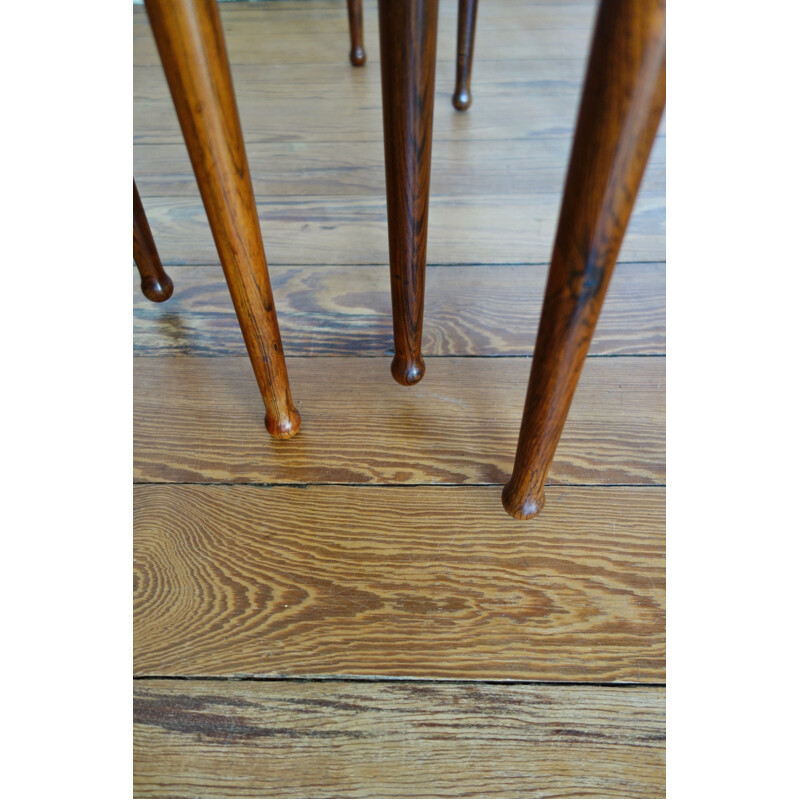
[(190, 41), (408, 63), (467, 14), (623, 99), (156, 284), (358, 56)]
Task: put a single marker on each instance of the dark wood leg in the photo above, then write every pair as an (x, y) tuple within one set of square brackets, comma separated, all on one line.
[(190, 41), (156, 284), (408, 63), (358, 55), (623, 99), (467, 15)]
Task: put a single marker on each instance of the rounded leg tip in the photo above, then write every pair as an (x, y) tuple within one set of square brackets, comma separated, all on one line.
[(519, 505), (462, 100), (358, 57), (407, 371), (157, 291), (283, 428)]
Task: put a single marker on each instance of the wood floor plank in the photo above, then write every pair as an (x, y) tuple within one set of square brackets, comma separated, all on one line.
[(319, 16), (417, 739), (260, 40), (516, 229), (340, 311), (335, 103), (424, 579), (340, 107), (431, 582), (470, 167), (538, 112), (294, 82), (201, 420), (275, 81)]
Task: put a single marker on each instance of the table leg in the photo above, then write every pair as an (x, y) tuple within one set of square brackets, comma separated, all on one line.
[(623, 99), (191, 44), (467, 15), (408, 63), (156, 284), (355, 16)]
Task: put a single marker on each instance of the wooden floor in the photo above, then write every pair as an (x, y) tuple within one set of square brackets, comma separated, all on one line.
[(351, 613)]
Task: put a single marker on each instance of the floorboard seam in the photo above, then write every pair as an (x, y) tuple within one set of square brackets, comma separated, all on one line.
[(170, 263), (391, 679), (552, 487), (382, 355)]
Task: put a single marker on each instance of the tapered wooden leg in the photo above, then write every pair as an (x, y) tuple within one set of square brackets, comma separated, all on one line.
[(623, 99), (156, 284), (190, 41), (408, 63), (358, 55), (467, 14)]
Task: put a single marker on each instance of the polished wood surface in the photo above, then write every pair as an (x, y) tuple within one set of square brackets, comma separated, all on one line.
[(355, 17), (396, 739), (408, 63), (396, 581), (346, 311), (459, 428), (623, 99), (192, 49), (156, 285), (467, 18)]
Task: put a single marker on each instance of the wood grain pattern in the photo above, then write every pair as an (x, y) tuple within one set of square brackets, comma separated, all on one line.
[(394, 581), (346, 311), (468, 167), (354, 114), (320, 97), (498, 229), (192, 49), (396, 739), (408, 64), (299, 80), (253, 42), (427, 581), (195, 420), (623, 99), (345, 105), (325, 16)]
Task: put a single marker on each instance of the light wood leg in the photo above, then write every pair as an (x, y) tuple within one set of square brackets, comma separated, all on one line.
[(190, 41)]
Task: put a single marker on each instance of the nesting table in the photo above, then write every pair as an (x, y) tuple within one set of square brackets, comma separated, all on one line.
[(623, 99)]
